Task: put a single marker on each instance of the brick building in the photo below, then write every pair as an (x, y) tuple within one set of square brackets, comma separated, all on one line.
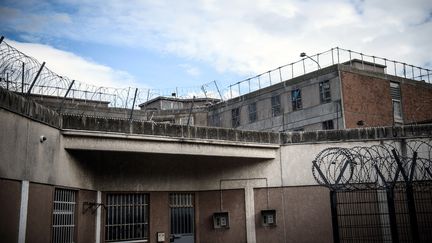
[(349, 95)]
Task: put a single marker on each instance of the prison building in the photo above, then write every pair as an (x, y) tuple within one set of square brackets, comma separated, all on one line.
[(83, 178), (349, 95)]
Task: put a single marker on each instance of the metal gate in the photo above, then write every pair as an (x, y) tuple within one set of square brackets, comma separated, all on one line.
[(182, 215), (381, 193)]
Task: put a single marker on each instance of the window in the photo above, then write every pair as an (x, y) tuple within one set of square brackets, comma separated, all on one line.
[(182, 213), (184, 120), (252, 112), (215, 119), (328, 125), (127, 217), (324, 88), (296, 99), (397, 110), (395, 94), (235, 117), (63, 216), (276, 105)]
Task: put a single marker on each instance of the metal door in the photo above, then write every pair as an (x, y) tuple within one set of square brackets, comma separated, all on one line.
[(182, 215)]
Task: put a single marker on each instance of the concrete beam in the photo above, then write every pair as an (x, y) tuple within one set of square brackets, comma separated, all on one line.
[(120, 142)]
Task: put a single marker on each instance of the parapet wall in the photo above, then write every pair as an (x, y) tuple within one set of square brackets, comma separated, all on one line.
[(33, 110), (24, 106)]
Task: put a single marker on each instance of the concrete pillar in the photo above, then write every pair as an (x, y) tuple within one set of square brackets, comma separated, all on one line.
[(98, 217), (250, 214), (23, 211)]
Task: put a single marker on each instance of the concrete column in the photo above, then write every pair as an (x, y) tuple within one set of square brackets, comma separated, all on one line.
[(98, 217), (23, 211), (250, 214)]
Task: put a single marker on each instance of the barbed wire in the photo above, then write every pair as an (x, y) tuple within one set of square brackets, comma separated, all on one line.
[(18, 73), (375, 167)]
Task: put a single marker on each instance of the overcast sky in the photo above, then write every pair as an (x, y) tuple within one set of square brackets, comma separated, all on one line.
[(183, 43)]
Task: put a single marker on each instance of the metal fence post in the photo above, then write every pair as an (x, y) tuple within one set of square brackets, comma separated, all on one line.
[(35, 79), (334, 215), (133, 104), (64, 98), (392, 215), (22, 78)]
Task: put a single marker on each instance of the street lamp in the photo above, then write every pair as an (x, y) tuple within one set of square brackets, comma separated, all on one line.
[(304, 55)]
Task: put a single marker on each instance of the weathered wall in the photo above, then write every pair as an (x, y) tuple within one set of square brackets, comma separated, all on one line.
[(366, 98), (159, 215), (302, 214), (233, 202), (416, 102), (10, 194), (116, 171), (39, 217), (86, 221), (24, 157)]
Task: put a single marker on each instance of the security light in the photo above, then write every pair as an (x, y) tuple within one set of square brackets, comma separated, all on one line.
[(303, 54)]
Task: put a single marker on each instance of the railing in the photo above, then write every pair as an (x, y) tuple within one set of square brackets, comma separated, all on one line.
[(324, 59)]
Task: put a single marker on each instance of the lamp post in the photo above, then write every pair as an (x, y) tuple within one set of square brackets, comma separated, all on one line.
[(304, 55)]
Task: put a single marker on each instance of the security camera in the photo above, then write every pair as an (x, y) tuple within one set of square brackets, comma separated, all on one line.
[(42, 139)]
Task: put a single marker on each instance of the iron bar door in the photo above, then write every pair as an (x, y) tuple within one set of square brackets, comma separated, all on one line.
[(182, 214)]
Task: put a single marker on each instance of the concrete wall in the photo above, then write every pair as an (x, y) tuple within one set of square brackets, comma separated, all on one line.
[(10, 193), (39, 217), (301, 212), (234, 203), (312, 114), (25, 157)]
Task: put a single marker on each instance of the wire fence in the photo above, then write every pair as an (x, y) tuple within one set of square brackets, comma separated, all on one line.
[(24, 74)]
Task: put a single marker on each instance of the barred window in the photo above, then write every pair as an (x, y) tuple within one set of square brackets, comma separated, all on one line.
[(325, 94), (328, 125), (63, 216), (296, 99), (252, 112), (235, 117), (127, 217), (276, 105)]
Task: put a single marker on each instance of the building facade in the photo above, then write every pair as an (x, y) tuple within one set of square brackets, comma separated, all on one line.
[(350, 95)]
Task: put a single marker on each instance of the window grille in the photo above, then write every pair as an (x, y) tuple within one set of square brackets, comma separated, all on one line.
[(182, 213), (296, 99), (127, 217), (325, 94), (252, 112), (276, 105), (63, 216), (235, 117)]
